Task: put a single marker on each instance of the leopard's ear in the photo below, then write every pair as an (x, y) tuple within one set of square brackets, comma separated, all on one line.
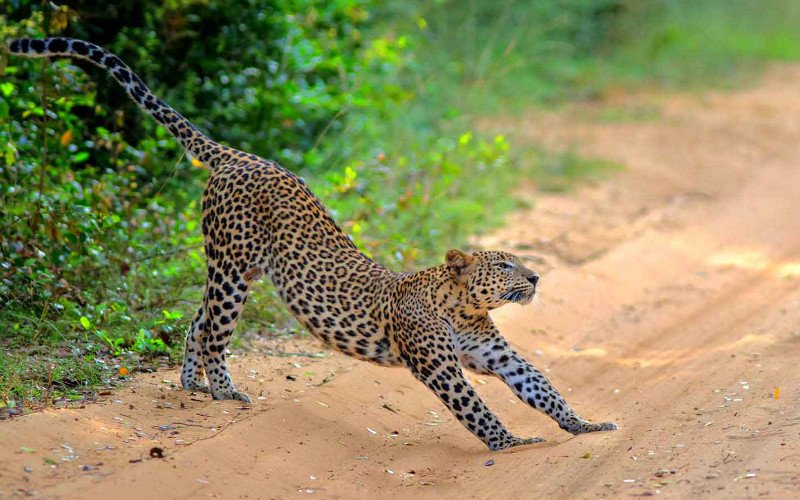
[(459, 264)]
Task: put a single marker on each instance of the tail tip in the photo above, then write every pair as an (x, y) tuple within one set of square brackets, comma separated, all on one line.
[(30, 45)]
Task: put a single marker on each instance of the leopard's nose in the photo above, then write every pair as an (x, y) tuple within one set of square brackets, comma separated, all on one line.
[(533, 278)]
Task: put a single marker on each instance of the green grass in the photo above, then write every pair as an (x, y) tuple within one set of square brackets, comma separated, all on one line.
[(560, 172), (68, 351), (689, 44), (506, 56), (627, 113), (49, 374)]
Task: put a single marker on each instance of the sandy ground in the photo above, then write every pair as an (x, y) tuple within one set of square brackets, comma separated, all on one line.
[(670, 303)]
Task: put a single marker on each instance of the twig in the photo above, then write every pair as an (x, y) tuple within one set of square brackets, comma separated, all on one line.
[(174, 169), (176, 250), (218, 432), (186, 424), (43, 168), (324, 131), (284, 354)]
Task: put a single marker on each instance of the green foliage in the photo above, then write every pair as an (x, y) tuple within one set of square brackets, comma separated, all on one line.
[(83, 219), (409, 206), (273, 77)]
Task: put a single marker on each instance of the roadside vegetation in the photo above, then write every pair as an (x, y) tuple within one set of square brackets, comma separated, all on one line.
[(373, 101)]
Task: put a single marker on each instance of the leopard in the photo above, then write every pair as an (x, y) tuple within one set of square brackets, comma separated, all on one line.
[(260, 219)]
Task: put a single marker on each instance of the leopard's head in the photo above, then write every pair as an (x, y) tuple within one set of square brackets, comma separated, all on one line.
[(492, 278)]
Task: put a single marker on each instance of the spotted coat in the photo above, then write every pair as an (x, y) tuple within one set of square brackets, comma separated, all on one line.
[(260, 219)]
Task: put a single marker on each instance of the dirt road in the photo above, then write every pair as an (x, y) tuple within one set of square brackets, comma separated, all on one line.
[(670, 303)]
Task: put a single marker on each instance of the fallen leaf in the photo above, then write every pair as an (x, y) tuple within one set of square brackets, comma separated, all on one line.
[(390, 407)]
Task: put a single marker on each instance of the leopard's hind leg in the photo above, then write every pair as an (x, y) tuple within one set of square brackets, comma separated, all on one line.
[(192, 372), (226, 295)]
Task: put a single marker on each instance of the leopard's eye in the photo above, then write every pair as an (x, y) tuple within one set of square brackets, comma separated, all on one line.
[(505, 265)]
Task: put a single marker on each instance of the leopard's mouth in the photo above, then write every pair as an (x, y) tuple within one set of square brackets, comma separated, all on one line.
[(519, 296), (527, 298)]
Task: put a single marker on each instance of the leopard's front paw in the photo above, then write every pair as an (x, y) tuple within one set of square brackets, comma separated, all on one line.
[(511, 441), (607, 426), (524, 441), (232, 394), (586, 427), (242, 397), (195, 386)]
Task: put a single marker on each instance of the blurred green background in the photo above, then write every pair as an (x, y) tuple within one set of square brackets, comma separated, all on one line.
[(373, 101)]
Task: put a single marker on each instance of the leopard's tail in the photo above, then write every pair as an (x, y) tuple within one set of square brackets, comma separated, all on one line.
[(198, 144)]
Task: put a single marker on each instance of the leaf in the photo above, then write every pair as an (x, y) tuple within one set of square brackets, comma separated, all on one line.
[(6, 88), (66, 138), (60, 18), (80, 157), (172, 315), (11, 154), (85, 323)]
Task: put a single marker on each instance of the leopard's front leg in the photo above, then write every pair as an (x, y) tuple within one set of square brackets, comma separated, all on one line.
[(431, 356), (484, 350)]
